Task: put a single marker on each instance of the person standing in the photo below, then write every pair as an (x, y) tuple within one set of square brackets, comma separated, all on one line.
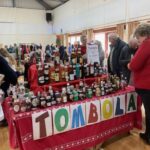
[(126, 54), (140, 65), (116, 47)]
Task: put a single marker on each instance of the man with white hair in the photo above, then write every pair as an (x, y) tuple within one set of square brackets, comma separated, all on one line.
[(127, 53), (116, 47)]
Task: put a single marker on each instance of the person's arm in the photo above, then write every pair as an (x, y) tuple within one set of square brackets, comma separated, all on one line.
[(122, 60), (10, 74), (141, 56)]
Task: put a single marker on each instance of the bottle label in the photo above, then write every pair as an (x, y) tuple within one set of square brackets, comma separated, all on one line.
[(46, 72), (53, 75), (71, 77), (64, 99), (91, 70), (56, 77)]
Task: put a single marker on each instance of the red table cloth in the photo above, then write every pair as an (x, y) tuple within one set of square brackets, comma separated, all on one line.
[(20, 130), (33, 81)]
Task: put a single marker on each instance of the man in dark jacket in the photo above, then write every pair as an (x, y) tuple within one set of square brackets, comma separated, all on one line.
[(116, 47), (126, 54)]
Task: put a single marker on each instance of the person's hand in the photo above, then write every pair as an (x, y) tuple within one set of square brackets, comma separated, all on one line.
[(129, 66)]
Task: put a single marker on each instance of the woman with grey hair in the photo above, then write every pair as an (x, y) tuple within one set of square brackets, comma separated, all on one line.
[(140, 65), (101, 53)]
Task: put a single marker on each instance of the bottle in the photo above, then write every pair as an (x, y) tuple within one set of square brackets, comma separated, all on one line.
[(48, 101), (52, 73), (91, 69), (46, 73), (79, 57), (40, 75), (43, 103), (62, 73), (16, 105), (71, 74), (98, 92), (77, 71), (23, 106), (34, 102), (74, 71), (57, 75), (75, 95), (64, 95), (58, 97), (57, 56), (73, 58), (28, 103), (89, 93)]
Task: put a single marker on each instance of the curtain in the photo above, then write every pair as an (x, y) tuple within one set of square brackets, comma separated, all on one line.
[(131, 28), (120, 30)]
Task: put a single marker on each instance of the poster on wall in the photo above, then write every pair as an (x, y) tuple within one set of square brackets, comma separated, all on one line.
[(92, 53)]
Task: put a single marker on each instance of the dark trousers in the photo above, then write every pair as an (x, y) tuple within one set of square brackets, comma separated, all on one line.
[(145, 95)]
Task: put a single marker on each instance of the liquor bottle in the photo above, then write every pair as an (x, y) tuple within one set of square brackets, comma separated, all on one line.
[(89, 93), (57, 56), (98, 92), (58, 97), (91, 69), (52, 73), (34, 102), (28, 103), (74, 70), (71, 73), (73, 58), (40, 75), (16, 106), (77, 71), (79, 57), (64, 95), (48, 101), (23, 106), (62, 73), (57, 75), (46, 73), (96, 68), (75, 95), (81, 85), (43, 103), (100, 71)]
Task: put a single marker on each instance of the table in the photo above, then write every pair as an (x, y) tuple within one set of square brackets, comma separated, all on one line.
[(33, 81), (20, 130)]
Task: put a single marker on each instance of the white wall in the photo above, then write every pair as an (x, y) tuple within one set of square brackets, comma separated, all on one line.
[(24, 26), (77, 15)]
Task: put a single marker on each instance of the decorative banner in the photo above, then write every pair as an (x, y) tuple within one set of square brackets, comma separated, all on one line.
[(119, 105), (92, 53), (61, 119), (41, 124), (77, 116), (93, 112), (107, 108), (131, 102)]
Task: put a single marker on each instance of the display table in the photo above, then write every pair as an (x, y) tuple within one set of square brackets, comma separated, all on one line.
[(21, 132), (33, 81)]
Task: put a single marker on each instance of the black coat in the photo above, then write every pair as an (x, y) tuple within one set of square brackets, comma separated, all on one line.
[(124, 59), (115, 58), (10, 75)]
